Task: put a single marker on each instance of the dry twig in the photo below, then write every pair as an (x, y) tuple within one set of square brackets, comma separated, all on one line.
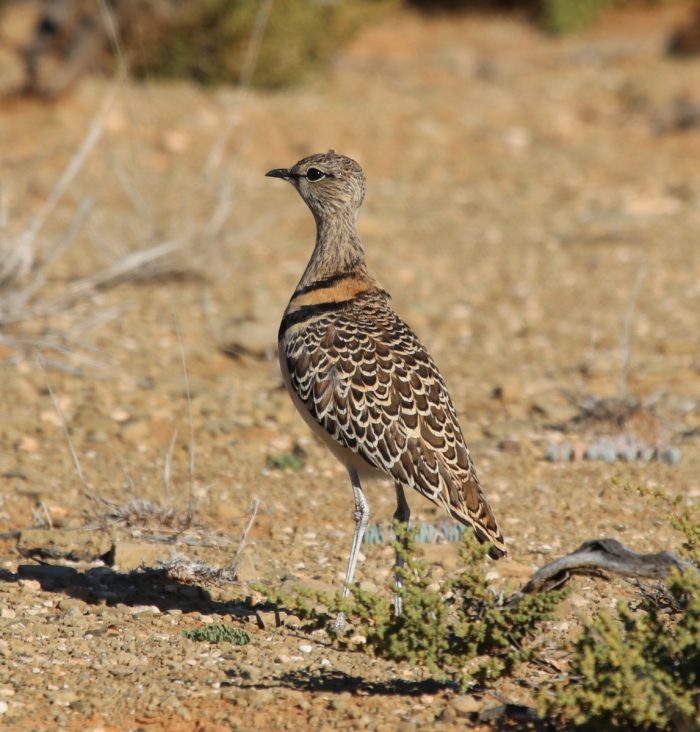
[(599, 556)]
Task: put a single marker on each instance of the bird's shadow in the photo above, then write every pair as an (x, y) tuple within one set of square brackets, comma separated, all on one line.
[(154, 587), (104, 585), (499, 715), (337, 682)]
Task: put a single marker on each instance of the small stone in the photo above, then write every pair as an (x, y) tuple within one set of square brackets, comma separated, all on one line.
[(120, 415), (66, 603), (64, 697), (132, 555), (30, 585), (305, 647), (672, 456), (292, 620), (282, 658), (145, 610), (27, 444), (7, 613), (175, 141), (466, 704), (4, 706), (255, 598), (136, 432)]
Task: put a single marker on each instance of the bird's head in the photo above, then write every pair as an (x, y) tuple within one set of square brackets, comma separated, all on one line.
[(329, 183)]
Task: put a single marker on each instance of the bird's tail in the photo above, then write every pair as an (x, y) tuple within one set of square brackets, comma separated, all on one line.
[(467, 504)]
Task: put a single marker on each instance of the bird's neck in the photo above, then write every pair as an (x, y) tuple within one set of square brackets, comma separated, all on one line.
[(338, 249)]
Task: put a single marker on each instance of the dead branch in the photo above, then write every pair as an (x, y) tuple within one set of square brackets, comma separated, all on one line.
[(597, 557), (235, 562)]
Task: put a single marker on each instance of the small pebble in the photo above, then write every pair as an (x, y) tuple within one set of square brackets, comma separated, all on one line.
[(31, 585), (305, 647), (145, 609), (673, 456)]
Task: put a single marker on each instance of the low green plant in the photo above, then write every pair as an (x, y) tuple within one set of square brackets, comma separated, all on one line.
[(683, 517), (567, 16), (637, 671), (554, 16), (294, 459), (640, 668), (459, 630), (218, 633)]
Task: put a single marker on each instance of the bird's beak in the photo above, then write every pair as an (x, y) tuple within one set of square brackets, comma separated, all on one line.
[(279, 173)]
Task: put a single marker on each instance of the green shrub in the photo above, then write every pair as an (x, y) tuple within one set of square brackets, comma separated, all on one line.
[(294, 459), (640, 669), (555, 16), (218, 633), (460, 630), (211, 40), (566, 16), (685, 519)]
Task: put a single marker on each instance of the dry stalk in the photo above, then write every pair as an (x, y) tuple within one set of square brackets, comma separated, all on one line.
[(233, 565), (87, 488), (167, 466), (138, 264), (217, 153), (192, 451), (27, 240), (628, 325)]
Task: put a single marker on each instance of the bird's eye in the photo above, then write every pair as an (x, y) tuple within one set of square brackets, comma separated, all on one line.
[(314, 174)]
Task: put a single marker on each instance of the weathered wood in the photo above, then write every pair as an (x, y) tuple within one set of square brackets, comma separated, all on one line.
[(600, 556)]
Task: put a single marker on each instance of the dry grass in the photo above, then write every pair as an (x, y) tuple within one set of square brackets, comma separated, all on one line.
[(30, 306)]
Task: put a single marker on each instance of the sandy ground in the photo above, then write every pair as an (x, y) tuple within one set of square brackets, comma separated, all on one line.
[(536, 217)]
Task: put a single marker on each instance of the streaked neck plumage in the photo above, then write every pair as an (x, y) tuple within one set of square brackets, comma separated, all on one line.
[(338, 249)]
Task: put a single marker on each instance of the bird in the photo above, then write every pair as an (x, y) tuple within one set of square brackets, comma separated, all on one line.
[(359, 376)]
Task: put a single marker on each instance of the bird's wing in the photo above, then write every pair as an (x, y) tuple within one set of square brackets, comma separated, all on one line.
[(368, 381)]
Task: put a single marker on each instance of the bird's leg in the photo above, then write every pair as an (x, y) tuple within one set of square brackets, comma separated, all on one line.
[(361, 518), (402, 515)]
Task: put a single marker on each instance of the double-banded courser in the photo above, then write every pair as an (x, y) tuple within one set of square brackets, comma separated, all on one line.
[(358, 374)]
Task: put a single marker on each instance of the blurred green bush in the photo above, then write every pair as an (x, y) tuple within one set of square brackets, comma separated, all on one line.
[(268, 43), (211, 39), (555, 16)]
